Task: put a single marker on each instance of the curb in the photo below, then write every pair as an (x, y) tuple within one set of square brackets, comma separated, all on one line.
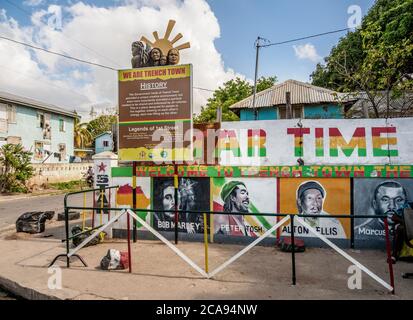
[(31, 196), (8, 228), (23, 292)]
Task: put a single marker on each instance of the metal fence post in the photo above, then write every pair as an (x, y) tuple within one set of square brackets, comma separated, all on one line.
[(292, 249), (389, 260), (67, 236)]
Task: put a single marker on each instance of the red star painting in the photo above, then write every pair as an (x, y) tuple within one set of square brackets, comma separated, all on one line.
[(102, 167)]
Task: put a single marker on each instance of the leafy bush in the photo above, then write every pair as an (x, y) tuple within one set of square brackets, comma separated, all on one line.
[(71, 185), (15, 168)]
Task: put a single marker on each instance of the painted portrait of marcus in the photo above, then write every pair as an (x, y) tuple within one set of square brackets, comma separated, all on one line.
[(388, 198)]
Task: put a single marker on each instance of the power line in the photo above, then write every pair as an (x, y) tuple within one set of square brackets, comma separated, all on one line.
[(204, 89), (76, 59), (57, 54), (303, 38), (113, 69), (258, 45), (78, 42)]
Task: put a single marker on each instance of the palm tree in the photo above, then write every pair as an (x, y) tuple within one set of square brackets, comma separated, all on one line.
[(83, 138)]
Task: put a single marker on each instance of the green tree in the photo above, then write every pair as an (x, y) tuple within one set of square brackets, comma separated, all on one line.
[(101, 124), (232, 91), (16, 168), (348, 52), (376, 59)]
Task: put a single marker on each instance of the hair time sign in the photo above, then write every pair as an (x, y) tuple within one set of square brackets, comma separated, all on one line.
[(155, 113), (283, 142)]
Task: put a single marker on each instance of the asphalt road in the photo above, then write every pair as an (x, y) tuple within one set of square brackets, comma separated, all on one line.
[(10, 210)]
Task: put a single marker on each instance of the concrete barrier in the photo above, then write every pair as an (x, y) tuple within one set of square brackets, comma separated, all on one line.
[(57, 172)]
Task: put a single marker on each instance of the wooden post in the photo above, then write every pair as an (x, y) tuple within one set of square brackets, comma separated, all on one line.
[(219, 114), (289, 110)]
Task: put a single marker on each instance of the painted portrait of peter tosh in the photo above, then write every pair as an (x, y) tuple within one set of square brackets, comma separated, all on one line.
[(236, 199)]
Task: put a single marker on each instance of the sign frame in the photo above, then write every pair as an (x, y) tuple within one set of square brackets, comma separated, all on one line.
[(190, 118)]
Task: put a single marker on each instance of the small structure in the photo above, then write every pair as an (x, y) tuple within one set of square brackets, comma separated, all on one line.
[(307, 102), (44, 129), (104, 142), (82, 154)]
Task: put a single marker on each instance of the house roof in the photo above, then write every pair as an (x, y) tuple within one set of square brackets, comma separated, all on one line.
[(103, 133), (12, 98), (301, 93), (83, 150)]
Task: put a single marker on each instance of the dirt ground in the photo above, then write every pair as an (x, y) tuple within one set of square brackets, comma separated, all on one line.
[(158, 273)]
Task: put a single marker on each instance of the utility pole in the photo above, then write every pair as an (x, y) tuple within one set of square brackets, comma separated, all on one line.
[(257, 47)]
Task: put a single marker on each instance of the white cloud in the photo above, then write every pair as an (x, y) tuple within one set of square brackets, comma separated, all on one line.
[(104, 36), (306, 51), (33, 3)]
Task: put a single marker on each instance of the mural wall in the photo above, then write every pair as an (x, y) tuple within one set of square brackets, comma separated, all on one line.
[(317, 197), (124, 198), (193, 194), (243, 195), (276, 189), (379, 197), (316, 142)]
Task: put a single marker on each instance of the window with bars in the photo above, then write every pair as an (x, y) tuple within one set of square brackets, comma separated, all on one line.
[(11, 113), (40, 120), (62, 127), (297, 112), (3, 118)]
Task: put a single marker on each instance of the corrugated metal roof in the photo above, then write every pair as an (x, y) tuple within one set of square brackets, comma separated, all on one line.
[(103, 133), (12, 98), (301, 93)]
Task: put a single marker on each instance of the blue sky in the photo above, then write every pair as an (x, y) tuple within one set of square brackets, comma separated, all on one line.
[(222, 34), (242, 21)]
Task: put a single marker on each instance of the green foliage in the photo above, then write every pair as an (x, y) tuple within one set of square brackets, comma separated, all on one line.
[(348, 53), (101, 124), (232, 91), (16, 168), (71, 185), (377, 58)]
